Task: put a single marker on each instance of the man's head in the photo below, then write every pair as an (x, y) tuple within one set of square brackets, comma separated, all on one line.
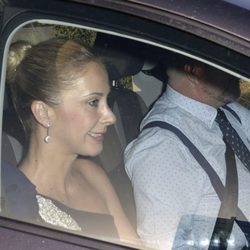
[(202, 82)]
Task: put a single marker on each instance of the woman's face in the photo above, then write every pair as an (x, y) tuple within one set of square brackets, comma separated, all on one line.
[(82, 118)]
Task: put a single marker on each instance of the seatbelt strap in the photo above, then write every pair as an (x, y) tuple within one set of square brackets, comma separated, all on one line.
[(232, 112), (228, 209), (214, 178)]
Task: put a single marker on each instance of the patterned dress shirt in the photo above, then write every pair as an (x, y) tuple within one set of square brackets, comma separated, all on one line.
[(176, 204)]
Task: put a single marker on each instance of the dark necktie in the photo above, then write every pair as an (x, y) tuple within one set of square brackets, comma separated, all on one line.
[(233, 139)]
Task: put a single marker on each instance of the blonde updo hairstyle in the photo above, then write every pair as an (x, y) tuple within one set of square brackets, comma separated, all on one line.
[(42, 71)]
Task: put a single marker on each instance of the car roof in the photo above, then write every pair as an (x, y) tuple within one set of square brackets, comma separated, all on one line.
[(223, 22), (232, 16), (199, 27)]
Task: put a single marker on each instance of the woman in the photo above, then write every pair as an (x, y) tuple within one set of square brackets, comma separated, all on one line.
[(59, 90)]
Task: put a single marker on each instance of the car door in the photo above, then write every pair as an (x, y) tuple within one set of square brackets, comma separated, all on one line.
[(131, 37)]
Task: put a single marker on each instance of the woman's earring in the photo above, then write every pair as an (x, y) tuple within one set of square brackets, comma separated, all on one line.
[(47, 137)]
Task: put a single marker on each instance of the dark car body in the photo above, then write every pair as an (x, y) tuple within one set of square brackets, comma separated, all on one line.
[(214, 31)]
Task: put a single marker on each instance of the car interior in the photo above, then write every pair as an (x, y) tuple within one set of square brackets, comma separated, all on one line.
[(143, 65), (123, 58)]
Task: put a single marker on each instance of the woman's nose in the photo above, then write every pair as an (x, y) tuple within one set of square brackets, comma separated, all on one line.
[(108, 117)]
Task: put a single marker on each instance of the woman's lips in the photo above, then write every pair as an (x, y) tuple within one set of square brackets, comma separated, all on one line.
[(96, 136)]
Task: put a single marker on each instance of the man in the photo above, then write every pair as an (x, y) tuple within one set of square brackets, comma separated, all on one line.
[(177, 205)]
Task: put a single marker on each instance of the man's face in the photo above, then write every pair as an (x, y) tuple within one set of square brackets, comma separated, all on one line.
[(223, 87)]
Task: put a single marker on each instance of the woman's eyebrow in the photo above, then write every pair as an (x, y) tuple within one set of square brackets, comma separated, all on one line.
[(93, 94)]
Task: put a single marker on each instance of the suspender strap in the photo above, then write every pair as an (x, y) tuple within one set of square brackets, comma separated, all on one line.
[(214, 178)]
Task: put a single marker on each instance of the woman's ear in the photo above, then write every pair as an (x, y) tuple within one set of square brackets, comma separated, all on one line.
[(41, 113)]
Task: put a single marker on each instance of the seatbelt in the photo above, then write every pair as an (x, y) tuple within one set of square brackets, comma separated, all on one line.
[(232, 112), (214, 178), (228, 209)]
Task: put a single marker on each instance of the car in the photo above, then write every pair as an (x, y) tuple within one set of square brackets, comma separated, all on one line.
[(131, 37)]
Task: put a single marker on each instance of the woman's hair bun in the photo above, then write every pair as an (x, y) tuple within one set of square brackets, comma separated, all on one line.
[(18, 50)]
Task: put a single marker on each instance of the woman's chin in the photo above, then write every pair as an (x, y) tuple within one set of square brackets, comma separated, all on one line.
[(92, 153)]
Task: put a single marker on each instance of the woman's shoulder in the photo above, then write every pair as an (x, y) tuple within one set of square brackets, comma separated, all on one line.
[(89, 169), (94, 174)]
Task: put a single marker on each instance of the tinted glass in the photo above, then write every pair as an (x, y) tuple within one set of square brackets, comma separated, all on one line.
[(137, 79)]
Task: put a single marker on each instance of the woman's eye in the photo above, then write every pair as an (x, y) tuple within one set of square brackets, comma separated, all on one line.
[(93, 103)]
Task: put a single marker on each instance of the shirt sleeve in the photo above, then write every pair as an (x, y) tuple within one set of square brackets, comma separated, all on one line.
[(167, 182)]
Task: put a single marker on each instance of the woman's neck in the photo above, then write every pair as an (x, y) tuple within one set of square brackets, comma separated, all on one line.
[(47, 168)]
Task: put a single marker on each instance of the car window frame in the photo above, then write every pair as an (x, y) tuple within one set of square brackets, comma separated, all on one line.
[(164, 34), (23, 17)]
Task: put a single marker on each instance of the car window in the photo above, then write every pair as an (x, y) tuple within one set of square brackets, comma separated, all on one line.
[(243, 4), (121, 66), (137, 79)]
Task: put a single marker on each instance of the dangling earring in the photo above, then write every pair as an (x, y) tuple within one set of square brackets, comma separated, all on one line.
[(47, 137)]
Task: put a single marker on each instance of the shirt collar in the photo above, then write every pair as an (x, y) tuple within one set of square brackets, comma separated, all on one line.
[(200, 110)]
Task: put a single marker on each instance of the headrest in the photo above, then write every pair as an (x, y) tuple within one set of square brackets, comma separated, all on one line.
[(120, 55), (158, 71)]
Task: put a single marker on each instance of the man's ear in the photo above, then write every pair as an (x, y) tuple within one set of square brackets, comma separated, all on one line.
[(188, 68), (41, 112), (193, 72)]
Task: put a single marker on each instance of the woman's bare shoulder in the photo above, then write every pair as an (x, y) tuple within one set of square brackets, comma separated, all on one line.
[(93, 173), (99, 180)]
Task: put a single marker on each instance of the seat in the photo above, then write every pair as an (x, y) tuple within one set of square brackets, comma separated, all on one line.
[(129, 109), (10, 156), (11, 149), (122, 59)]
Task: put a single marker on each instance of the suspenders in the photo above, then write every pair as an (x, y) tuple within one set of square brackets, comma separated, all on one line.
[(225, 225)]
